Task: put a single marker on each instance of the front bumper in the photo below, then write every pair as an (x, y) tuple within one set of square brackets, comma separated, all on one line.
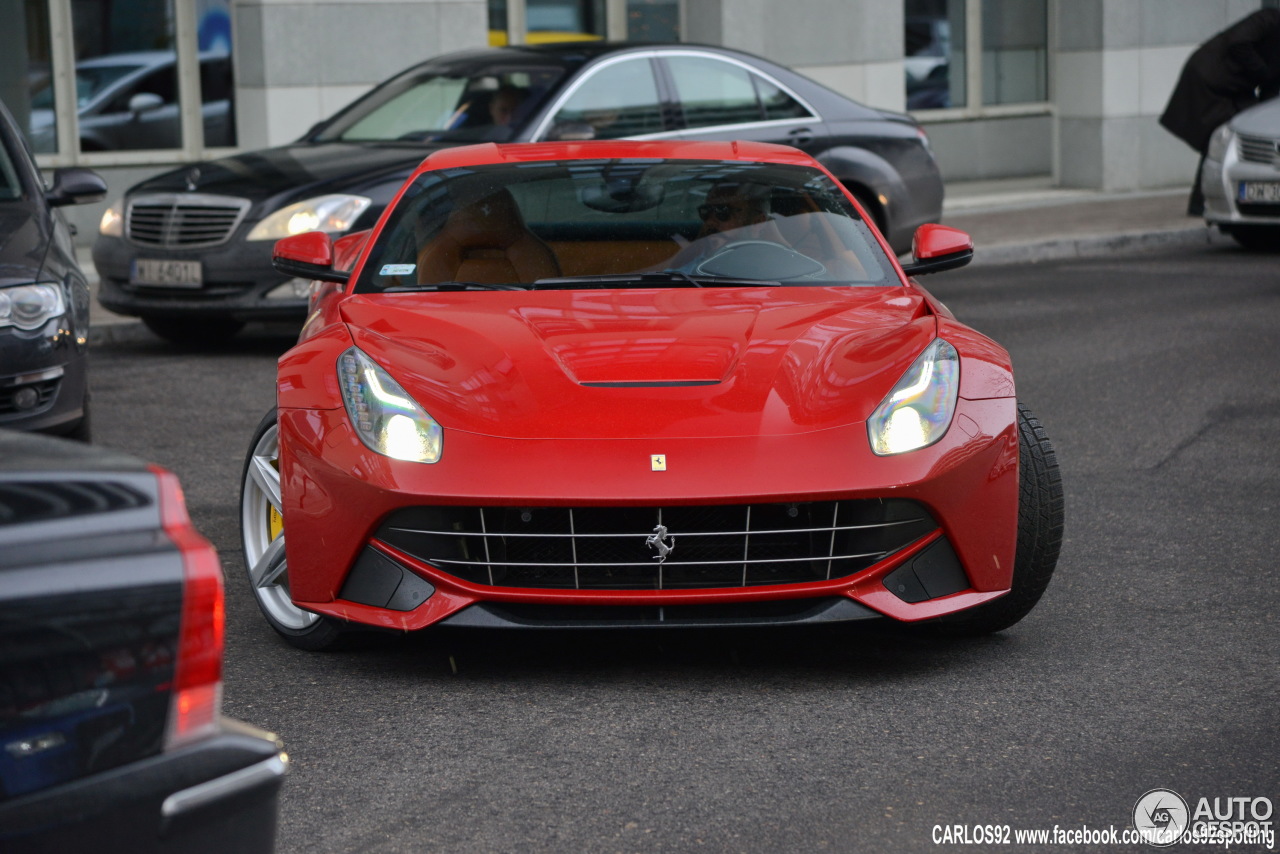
[(237, 276), (1220, 182), (338, 494), (44, 379), (215, 796)]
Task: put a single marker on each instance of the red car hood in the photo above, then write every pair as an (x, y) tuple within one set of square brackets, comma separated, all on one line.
[(680, 362)]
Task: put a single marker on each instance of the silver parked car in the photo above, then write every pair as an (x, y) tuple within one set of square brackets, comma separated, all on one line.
[(1241, 177)]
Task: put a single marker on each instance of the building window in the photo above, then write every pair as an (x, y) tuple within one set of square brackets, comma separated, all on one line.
[(26, 72), (541, 21), (1010, 36), (653, 20), (121, 80), (1014, 51)]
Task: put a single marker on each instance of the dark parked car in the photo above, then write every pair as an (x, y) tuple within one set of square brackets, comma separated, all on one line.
[(44, 298), (111, 633), (189, 251)]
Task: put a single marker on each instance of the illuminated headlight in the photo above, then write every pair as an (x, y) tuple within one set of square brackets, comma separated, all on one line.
[(333, 214), (112, 222), (31, 306), (386, 418), (917, 412), (1220, 143)]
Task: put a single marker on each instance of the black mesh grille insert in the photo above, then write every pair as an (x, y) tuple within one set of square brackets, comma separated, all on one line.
[(46, 391), (622, 548), (1258, 208)]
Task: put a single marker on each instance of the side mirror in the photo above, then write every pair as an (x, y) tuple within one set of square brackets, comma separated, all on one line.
[(938, 247), (75, 186), (307, 256), (145, 102)]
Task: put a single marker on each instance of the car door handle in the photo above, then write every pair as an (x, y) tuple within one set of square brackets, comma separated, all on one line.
[(800, 136)]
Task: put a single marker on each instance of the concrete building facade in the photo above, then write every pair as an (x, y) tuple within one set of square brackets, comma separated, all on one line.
[(1068, 90)]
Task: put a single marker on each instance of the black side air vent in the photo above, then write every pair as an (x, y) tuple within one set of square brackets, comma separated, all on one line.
[(22, 502)]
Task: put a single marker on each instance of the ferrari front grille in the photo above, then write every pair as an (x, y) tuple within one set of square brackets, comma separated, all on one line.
[(1258, 149), (184, 220), (657, 548)]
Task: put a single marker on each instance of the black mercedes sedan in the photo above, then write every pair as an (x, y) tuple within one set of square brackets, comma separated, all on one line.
[(44, 298), (111, 640), (189, 251)]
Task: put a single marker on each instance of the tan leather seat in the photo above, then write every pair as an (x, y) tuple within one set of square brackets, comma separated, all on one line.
[(486, 241)]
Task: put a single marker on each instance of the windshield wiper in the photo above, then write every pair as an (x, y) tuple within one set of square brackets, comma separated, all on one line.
[(453, 286), (665, 277)]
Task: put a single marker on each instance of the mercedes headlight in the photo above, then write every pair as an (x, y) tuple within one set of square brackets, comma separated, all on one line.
[(333, 214), (1220, 143), (386, 418), (917, 412), (31, 306), (112, 222)]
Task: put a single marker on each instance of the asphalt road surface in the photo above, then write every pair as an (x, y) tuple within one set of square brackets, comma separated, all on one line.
[(1151, 662)]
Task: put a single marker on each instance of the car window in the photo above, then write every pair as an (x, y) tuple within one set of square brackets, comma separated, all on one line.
[(777, 103), (615, 101), (475, 106), (712, 92), (638, 223)]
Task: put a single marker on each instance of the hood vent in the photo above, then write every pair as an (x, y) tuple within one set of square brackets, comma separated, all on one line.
[(655, 384)]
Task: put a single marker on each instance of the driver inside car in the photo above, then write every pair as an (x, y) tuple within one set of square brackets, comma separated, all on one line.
[(734, 205), (733, 212)]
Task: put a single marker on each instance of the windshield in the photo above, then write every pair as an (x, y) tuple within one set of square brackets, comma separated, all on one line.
[(624, 223), (488, 105)]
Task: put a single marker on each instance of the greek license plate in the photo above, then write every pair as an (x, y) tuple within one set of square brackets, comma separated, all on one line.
[(1260, 191), (169, 274)]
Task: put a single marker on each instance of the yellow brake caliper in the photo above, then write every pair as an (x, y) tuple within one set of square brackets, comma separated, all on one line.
[(275, 522)]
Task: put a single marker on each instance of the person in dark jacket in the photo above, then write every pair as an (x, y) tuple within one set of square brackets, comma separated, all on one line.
[(1232, 71)]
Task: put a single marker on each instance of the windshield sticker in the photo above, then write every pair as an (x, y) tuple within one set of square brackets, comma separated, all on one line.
[(397, 269)]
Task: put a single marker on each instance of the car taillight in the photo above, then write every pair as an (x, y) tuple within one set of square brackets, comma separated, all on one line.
[(196, 701)]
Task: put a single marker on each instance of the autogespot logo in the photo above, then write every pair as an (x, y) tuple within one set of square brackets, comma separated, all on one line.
[(1161, 817)]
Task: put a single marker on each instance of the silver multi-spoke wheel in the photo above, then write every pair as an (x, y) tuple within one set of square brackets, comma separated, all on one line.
[(262, 529)]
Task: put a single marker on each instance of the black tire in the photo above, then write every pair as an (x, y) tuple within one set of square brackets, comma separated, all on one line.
[(193, 331), (300, 628), (1256, 238), (1040, 523)]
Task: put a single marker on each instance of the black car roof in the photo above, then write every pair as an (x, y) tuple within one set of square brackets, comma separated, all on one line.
[(561, 53)]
